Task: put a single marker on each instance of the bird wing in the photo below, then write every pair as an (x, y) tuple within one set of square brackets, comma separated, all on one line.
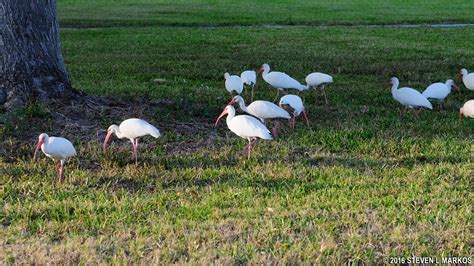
[(412, 97), (249, 77), (283, 81), (294, 101), (135, 128), (246, 126), (266, 110), (317, 78), (436, 91), (469, 81), (468, 108), (60, 148), (234, 83)]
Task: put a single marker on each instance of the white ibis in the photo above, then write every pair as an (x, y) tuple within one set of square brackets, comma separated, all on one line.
[(466, 110), (56, 148), (408, 97), (279, 80), (295, 103), (132, 129), (318, 79), (439, 91), (467, 79), (262, 110), (233, 83), (249, 78), (245, 126)]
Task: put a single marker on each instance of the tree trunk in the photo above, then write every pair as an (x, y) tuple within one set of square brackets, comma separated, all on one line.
[(32, 66)]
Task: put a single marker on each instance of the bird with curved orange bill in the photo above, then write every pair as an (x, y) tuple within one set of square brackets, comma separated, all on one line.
[(245, 126)]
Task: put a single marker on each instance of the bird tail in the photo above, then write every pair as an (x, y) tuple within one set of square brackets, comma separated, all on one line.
[(154, 132), (267, 135), (428, 105), (425, 102)]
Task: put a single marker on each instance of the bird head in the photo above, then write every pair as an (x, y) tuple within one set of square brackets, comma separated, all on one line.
[(227, 109), (390, 82), (112, 129), (226, 75), (287, 107), (450, 83), (42, 138), (462, 73), (263, 68), (284, 101), (286, 104), (237, 99)]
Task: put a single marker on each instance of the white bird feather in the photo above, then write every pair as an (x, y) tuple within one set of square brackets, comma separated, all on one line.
[(280, 80), (409, 97), (261, 109), (438, 91), (467, 79), (249, 77), (233, 83)]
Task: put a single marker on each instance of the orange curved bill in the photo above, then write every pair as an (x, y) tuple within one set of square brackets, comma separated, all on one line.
[(107, 138), (220, 116), (38, 146)]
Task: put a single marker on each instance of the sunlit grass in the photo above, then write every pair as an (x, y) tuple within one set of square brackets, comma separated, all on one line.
[(113, 13), (362, 185)]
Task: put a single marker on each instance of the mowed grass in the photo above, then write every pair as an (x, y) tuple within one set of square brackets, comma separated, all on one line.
[(362, 185), (111, 13)]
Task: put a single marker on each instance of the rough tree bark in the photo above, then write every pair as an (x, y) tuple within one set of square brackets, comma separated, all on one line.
[(30, 54)]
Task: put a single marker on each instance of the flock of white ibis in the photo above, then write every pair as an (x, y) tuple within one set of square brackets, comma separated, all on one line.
[(252, 126)]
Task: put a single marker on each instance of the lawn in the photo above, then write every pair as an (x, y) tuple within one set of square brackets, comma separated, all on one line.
[(362, 185), (109, 13)]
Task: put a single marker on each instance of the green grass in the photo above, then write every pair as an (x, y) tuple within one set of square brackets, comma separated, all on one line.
[(362, 185), (109, 13)]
